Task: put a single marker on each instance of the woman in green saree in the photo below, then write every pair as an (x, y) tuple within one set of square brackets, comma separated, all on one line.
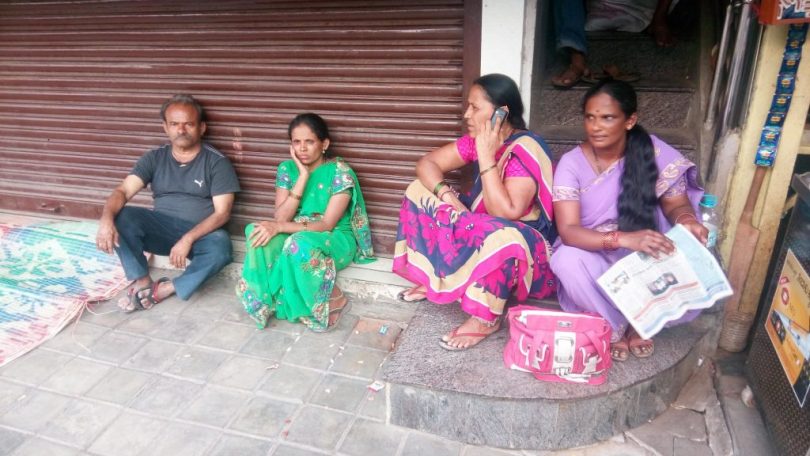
[(320, 226)]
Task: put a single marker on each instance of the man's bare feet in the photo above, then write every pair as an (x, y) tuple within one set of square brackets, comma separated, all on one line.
[(469, 334)]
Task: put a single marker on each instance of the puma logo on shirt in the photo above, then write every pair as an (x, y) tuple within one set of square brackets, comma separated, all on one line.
[(199, 182)]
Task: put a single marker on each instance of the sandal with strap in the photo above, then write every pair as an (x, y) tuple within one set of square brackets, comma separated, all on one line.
[(570, 77), (151, 296), (619, 350), (611, 71), (640, 348), (134, 299), (404, 295), (444, 341)]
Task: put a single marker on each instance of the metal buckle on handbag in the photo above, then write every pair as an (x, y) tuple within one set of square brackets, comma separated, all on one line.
[(564, 349)]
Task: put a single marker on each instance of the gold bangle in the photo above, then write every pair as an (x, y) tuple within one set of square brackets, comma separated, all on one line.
[(305, 223), (441, 195), (294, 195), (678, 218), (487, 170)]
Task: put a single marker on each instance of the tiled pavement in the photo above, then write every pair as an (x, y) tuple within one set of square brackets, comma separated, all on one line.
[(197, 378)]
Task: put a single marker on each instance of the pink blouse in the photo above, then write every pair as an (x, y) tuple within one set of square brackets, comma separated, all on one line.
[(468, 153)]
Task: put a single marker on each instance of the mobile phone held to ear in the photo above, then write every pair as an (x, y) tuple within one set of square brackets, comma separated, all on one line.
[(499, 113)]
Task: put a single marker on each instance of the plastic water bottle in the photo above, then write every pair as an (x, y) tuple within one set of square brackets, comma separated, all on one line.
[(709, 218)]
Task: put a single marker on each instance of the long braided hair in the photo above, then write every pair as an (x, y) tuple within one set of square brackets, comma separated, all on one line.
[(637, 201)]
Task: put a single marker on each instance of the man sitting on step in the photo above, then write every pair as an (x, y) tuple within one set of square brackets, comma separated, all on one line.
[(193, 187)]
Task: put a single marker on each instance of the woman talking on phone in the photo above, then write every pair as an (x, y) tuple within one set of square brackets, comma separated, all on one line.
[(480, 247)]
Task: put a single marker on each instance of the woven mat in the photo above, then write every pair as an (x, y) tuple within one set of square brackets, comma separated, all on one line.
[(48, 273)]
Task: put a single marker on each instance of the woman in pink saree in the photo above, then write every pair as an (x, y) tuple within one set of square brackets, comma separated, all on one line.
[(480, 248), (615, 194)]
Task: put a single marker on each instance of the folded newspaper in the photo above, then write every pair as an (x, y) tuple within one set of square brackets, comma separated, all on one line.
[(651, 292)]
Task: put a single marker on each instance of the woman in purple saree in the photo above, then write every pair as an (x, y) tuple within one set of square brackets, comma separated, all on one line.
[(480, 248), (615, 194)]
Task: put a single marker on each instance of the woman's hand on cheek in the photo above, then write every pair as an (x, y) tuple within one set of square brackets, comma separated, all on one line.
[(650, 242), (302, 169)]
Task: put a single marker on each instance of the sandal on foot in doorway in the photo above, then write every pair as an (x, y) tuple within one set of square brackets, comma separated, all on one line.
[(407, 295)]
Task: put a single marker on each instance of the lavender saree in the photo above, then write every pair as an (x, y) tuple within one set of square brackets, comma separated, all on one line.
[(598, 196)]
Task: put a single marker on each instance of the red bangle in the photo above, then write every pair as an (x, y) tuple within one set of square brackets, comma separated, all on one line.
[(610, 240)]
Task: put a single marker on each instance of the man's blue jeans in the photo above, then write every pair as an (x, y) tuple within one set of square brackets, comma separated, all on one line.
[(142, 230), (569, 25)]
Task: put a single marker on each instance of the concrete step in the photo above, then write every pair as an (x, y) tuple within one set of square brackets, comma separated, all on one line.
[(670, 109), (469, 396)]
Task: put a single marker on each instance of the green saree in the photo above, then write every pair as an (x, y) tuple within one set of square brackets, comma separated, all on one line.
[(292, 276)]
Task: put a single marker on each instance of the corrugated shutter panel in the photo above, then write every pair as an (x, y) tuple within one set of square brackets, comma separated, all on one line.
[(81, 84)]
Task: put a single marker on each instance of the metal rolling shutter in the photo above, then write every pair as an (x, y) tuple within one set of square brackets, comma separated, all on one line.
[(81, 83)]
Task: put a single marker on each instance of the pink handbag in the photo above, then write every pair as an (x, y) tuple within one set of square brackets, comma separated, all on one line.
[(558, 346)]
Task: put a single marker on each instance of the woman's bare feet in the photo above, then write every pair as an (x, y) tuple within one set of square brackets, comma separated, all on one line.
[(469, 334)]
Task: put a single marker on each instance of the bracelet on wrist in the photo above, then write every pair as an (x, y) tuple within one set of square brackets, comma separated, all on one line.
[(441, 195), (687, 214), (488, 170), (438, 186), (305, 223), (610, 240)]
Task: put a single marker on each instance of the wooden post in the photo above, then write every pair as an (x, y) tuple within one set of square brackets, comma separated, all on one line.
[(771, 199)]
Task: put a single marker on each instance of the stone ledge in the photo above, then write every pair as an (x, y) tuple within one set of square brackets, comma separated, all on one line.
[(471, 397)]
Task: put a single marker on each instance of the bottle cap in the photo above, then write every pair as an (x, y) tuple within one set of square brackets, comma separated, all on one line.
[(708, 200)]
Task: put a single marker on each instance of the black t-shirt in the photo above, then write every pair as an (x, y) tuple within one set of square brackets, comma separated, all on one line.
[(186, 190)]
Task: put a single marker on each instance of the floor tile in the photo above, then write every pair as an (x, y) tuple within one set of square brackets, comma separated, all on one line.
[(196, 364), (264, 417), (368, 437), (377, 334), (268, 344), (313, 352), (241, 372), (182, 329), (180, 439), (318, 427), (10, 440), (215, 406), (373, 405), (116, 347), (291, 383), (35, 366), (40, 447), (34, 410), (76, 376), (418, 444), (340, 393), (286, 450), (145, 323), (10, 394), (358, 361), (128, 435), (232, 445), (80, 422), (166, 396), (153, 356), (76, 338), (227, 336), (120, 385), (208, 305)]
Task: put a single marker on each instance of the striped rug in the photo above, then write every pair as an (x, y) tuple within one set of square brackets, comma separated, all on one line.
[(48, 272)]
